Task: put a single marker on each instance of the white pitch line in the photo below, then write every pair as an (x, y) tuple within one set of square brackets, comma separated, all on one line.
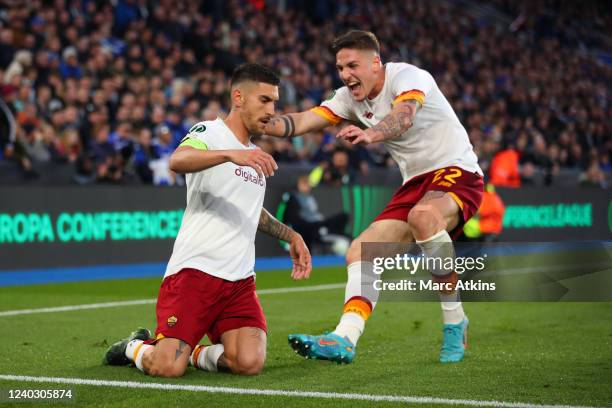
[(152, 301), (280, 393), (76, 307), (312, 288)]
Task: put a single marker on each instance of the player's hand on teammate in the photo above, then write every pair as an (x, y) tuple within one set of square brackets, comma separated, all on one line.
[(354, 135), (300, 255), (260, 161)]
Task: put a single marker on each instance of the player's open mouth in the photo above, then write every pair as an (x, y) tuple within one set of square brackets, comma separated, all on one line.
[(264, 120), (354, 86)]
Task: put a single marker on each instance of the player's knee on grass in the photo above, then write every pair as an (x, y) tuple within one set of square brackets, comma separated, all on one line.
[(250, 364), (244, 350), (244, 362)]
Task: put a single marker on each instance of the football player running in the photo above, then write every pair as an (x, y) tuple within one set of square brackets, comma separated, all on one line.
[(401, 106)]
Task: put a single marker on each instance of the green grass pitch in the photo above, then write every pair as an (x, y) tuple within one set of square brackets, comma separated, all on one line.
[(539, 353)]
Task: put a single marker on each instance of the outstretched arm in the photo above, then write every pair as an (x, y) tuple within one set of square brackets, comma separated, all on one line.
[(186, 159), (392, 126), (300, 255), (293, 124)]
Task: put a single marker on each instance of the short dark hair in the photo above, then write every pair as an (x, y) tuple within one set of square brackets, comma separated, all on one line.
[(357, 40), (254, 72)]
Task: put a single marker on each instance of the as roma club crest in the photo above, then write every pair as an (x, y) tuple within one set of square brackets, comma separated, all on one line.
[(171, 321)]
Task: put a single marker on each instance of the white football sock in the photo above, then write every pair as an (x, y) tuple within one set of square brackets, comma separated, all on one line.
[(131, 348), (441, 245), (208, 358), (135, 350), (360, 278), (452, 312), (360, 282), (351, 325)]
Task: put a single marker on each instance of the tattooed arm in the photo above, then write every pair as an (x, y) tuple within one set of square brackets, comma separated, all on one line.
[(397, 122), (302, 263), (274, 228), (293, 124), (392, 126)]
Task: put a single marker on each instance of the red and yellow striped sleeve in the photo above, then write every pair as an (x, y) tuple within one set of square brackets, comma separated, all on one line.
[(327, 113), (414, 94)]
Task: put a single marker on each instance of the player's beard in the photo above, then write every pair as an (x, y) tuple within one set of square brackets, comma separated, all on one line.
[(256, 132), (252, 124), (255, 128)]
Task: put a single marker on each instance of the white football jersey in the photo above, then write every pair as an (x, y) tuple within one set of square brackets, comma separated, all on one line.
[(224, 203), (436, 139)]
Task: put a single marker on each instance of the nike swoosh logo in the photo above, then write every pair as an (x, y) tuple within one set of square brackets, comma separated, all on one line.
[(327, 343)]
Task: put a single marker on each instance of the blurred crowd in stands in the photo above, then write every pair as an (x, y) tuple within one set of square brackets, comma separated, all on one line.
[(110, 88)]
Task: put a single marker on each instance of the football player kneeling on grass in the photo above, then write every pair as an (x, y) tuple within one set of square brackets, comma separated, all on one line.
[(209, 286)]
